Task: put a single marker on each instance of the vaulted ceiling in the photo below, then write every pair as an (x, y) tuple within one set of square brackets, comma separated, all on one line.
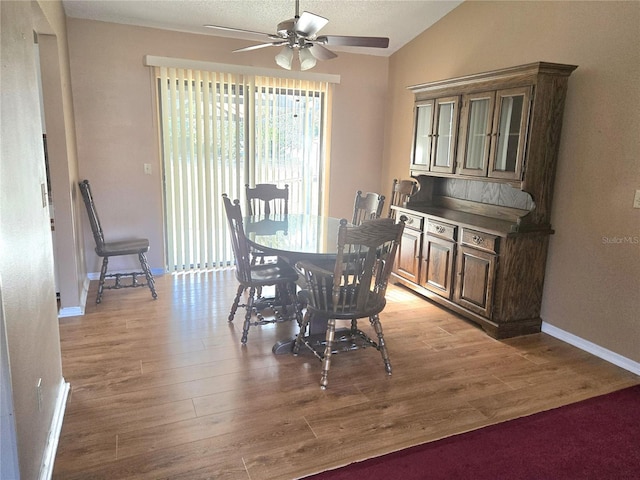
[(399, 20)]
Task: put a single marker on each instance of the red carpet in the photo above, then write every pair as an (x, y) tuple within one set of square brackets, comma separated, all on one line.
[(598, 438)]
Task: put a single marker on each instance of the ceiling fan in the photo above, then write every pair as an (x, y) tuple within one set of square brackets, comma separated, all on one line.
[(301, 33)]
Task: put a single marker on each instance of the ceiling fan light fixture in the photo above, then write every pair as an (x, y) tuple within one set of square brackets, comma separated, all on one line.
[(301, 33), (307, 60), (285, 57)]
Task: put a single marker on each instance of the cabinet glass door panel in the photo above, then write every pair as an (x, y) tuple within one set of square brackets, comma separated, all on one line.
[(444, 143), (475, 133), (511, 121), (423, 135)]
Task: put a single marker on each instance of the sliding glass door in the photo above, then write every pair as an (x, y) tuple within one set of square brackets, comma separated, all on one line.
[(221, 131)]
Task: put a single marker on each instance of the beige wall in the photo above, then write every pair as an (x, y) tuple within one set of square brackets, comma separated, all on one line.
[(60, 130), (592, 287), (26, 264), (117, 134)]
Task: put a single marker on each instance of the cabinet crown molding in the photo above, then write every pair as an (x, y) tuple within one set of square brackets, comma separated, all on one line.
[(528, 72)]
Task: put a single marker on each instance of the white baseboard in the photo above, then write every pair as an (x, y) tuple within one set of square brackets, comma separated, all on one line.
[(46, 470), (79, 309), (587, 346), (70, 312)]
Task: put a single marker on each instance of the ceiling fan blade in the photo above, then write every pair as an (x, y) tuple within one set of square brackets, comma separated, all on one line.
[(309, 24), (322, 53), (239, 30), (345, 41), (260, 45)]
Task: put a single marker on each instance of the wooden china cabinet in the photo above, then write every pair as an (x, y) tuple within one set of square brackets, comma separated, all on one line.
[(484, 153)]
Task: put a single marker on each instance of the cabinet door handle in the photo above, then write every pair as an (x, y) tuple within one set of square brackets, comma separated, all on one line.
[(477, 239), (439, 228)]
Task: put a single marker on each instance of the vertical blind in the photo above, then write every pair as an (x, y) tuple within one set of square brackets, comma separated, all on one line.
[(221, 131)]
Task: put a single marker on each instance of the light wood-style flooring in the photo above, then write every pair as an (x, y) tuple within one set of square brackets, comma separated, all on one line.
[(163, 389)]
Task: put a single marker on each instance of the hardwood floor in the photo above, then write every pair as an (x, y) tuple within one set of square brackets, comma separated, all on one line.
[(163, 389)]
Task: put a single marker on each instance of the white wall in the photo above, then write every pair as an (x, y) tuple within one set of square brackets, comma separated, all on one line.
[(9, 468), (26, 264)]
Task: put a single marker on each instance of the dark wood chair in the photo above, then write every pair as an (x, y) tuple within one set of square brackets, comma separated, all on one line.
[(136, 246), (355, 288), (367, 207), (401, 192), (252, 276), (267, 199)]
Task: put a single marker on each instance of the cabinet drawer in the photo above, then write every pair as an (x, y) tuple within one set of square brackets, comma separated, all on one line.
[(481, 240), (442, 230), (413, 222)]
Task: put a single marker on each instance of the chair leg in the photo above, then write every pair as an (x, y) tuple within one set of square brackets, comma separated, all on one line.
[(236, 302), (286, 297), (377, 326), (303, 328), (293, 300), (147, 273), (354, 326), (103, 272), (326, 362), (247, 317)]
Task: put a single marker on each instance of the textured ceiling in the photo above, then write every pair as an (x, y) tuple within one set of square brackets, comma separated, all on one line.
[(399, 20)]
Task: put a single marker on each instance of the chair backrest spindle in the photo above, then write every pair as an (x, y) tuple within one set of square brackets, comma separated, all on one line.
[(267, 199)]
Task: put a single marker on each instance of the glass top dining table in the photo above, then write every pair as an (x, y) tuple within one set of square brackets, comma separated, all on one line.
[(293, 237)]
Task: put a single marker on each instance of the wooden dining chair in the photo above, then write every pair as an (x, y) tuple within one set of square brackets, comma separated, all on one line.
[(267, 199), (355, 288), (401, 192), (367, 207), (136, 246), (253, 276)]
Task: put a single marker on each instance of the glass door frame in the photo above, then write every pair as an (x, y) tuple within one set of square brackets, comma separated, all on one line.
[(466, 127), (452, 137), (423, 140), (516, 173)]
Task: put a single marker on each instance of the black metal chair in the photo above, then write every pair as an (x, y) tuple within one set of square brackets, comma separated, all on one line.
[(255, 276), (136, 246), (367, 207), (354, 289)]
